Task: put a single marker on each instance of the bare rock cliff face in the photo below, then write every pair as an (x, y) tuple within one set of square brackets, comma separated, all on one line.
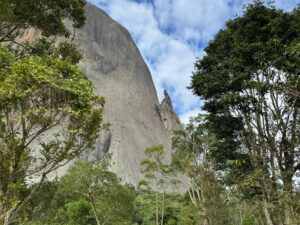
[(115, 66)]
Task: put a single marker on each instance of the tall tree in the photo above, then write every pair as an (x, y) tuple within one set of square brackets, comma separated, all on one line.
[(190, 158), (157, 173), (248, 80), (48, 112), (48, 116)]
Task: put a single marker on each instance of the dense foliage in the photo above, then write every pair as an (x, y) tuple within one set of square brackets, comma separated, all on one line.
[(39, 97), (90, 194), (87, 194), (249, 81), (45, 15), (49, 114)]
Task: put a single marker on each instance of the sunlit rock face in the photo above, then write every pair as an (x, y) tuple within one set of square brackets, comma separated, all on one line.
[(168, 115), (114, 64)]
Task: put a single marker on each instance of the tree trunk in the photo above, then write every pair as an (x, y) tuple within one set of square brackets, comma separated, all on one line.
[(205, 222), (156, 203), (7, 217), (162, 210), (288, 210), (288, 189), (267, 213), (288, 181), (94, 209)]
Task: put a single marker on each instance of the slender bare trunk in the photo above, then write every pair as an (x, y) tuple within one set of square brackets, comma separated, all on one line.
[(288, 188), (288, 211), (162, 210), (267, 213), (94, 209), (156, 203), (205, 222), (7, 217)]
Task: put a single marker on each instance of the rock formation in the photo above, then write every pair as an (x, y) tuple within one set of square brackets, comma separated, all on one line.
[(169, 116), (114, 64)]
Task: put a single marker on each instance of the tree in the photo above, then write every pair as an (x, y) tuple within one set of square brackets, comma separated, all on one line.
[(248, 80), (47, 16), (110, 202), (177, 209), (156, 171), (48, 116), (191, 159), (48, 112)]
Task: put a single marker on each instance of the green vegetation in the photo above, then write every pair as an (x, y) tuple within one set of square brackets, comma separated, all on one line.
[(87, 194), (90, 194), (48, 112), (47, 16), (248, 80), (240, 159)]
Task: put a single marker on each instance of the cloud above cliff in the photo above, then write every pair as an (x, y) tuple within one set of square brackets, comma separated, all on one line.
[(171, 34)]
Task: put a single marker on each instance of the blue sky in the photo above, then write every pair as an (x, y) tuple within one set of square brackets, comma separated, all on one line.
[(171, 34)]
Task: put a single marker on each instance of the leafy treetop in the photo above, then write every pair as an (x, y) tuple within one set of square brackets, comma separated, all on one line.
[(48, 16)]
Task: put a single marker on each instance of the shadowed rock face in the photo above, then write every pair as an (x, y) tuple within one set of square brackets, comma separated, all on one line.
[(115, 66)]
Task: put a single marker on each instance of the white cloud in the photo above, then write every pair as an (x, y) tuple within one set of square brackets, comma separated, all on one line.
[(185, 118), (170, 60), (202, 17), (171, 34)]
